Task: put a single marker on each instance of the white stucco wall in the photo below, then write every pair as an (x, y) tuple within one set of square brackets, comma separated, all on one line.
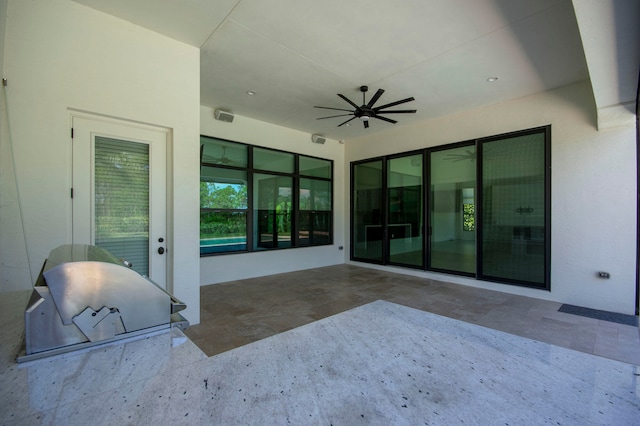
[(222, 268), (59, 56), (593, 190)]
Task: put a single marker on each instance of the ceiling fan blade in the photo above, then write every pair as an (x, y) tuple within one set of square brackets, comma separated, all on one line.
[(333, 116), (394, 104), (349, 101), (337, 109), (398, 111), (385, 119), (352, 118), (375, 98), (366, 124)]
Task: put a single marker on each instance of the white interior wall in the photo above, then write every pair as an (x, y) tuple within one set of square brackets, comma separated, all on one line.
[(593, 190), (223, 268), (60, 56)]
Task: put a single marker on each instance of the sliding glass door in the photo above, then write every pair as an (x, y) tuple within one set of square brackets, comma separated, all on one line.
[(405, 211), (514, 212), (367, 211), (452, 242), (487, 204), (388, 211)]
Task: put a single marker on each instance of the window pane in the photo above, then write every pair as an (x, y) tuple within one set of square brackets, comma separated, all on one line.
[(314, 218), (367, 212), (223, 188), (222, 231), (122, 200), (404, 183), (315, 167), (453, 238), (275, 161), (272, 211), (218, 152), (513, 209), (222, 193)]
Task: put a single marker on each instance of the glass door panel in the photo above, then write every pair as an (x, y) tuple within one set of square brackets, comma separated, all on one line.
[(368, 211), (121, 201), (273, 211), (314, 213), (452, 244), (405, 212), (513, 209)]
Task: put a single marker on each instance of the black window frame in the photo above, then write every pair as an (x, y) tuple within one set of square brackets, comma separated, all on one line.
[(477, 143), (251, 211)]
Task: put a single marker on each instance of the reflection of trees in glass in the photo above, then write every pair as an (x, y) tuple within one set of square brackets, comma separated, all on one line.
[(468, 217), (283, 211), (215, 223), (222, 224), (223, 196)]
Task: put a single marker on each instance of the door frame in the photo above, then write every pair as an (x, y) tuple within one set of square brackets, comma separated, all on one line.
[(133, 131)]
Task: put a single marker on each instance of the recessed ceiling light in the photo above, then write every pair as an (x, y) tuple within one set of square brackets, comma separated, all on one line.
[(250, 92), (492, 79)]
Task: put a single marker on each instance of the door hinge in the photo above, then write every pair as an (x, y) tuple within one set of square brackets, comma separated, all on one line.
[(71, 192), (72, 133)]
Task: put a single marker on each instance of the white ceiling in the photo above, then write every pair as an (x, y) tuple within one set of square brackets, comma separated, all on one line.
[(295, 54)]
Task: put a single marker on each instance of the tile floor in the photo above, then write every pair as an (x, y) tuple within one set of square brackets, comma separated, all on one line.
[(240, 312)]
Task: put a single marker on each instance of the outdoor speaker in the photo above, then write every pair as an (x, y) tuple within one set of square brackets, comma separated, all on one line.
[(221, 115), (318, 139)]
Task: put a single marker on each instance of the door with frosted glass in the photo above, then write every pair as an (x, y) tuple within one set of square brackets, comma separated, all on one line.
[(119, 191)]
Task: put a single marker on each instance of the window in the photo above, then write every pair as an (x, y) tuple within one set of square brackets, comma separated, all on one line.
[(255, 199), (223, 210)]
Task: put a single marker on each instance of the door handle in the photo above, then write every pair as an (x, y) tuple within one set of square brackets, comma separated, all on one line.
[(160, 250)]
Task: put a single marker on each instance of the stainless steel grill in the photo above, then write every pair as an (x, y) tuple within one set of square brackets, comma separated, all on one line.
[(85, 296)]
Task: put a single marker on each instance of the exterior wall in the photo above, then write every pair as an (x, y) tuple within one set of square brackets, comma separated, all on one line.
[(222, 268), (61, 56), (593, 190)]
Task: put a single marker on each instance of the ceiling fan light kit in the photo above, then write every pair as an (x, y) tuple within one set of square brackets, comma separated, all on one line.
[(367, 110)]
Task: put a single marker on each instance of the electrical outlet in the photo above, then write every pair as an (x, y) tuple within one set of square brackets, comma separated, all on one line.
[(602, 274)]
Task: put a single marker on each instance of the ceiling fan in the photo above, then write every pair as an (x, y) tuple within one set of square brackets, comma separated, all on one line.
[(367, 110), (468, 155), (223, 159)]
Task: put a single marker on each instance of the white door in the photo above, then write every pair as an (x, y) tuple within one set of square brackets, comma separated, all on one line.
[(119, 191)]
